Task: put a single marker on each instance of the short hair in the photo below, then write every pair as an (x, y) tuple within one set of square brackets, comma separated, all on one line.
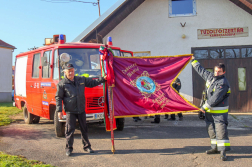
[(222, 66)]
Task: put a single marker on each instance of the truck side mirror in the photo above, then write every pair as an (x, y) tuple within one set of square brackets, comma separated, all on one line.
[(44, 61)]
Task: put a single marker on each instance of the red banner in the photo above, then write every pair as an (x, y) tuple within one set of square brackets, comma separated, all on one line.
[(143, 86)]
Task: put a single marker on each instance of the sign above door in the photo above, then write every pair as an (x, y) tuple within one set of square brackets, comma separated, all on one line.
[(222, 32)]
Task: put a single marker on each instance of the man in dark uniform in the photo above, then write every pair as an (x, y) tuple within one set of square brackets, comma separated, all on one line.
[(216, 107), (70, 90), (177, 86)]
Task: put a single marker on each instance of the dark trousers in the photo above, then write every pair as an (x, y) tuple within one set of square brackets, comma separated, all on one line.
[(70, 128), (173, 116), (157, 118), (216, 125), (179, 115)]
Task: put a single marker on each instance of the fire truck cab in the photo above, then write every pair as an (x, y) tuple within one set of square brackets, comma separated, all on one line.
[(37, 73)]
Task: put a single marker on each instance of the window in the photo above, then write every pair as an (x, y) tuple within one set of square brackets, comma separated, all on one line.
[(141, 54), (209, 69), (36, 63), (46, 72), (217, 53), (126, 54), (86, 61), (232, 53), (56, 65), (116, 52), (223, 52), (201, 54), (242, 79), (246, 52), (182, 8), (95, 61)]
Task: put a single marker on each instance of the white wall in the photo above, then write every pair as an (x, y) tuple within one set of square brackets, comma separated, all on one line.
[(5, 70), (149, 28)]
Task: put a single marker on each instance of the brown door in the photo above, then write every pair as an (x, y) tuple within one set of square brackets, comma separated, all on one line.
[(241, 95)]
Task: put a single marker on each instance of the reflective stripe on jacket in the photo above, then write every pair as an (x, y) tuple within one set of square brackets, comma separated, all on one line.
[(217, 90)]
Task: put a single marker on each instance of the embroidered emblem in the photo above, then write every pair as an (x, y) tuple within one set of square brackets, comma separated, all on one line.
[(145, 84)]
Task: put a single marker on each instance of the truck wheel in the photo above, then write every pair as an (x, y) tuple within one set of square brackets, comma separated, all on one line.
[(59, 126), (120, 123), (35, 119), (28, 117)]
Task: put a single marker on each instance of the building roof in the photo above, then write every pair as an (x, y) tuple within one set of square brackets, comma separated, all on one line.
[(6, 45), (244, 4), (119, 11), (108, 21)]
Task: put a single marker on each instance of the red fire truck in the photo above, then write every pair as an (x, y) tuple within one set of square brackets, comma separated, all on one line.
[(37, 73)]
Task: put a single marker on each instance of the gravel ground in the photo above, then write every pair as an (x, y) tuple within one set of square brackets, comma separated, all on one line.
[(169, 143), (192, 120)]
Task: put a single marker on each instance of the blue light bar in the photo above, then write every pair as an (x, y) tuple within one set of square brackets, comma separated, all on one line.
[(61, 37)]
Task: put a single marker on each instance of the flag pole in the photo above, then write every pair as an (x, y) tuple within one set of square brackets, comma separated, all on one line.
[(108, 87), (111, 113)]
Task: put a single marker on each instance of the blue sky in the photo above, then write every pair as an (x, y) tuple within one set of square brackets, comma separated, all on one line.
[(26, 23)]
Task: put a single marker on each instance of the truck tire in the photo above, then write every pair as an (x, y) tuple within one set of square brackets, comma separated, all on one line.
[(59, 126), (28, 117), (120, 123), (35, 119)]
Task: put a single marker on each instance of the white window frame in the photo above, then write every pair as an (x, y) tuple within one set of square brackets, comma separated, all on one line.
[(142, 54), (180, 15), (241, 79)]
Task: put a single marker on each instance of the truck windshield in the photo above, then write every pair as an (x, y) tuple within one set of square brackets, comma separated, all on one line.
[(86, 62)]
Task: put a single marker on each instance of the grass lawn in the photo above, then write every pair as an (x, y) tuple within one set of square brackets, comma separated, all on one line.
[(15, 161), (7, 110)]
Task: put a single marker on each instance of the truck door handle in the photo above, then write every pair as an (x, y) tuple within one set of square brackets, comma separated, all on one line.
[(31, 86), (41, 86)]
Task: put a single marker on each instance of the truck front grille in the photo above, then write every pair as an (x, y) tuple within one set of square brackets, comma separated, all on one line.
[(94, 102)]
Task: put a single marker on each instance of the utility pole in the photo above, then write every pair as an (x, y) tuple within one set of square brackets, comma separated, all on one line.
[(98, 2)]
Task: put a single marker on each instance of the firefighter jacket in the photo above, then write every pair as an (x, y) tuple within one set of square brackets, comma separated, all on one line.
[(217, 90), (73, 93)]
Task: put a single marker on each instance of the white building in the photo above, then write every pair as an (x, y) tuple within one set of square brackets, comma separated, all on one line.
[(214, 30), (6, 51)]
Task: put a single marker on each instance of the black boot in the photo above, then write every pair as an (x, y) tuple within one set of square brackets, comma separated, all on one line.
[(135, 119), (156, 119), (68, 153), (223, 156), (212, 151)]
